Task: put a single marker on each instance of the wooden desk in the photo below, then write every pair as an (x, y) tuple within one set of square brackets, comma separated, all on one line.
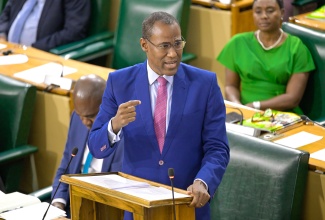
[(314, 203), (38, 57), (307, 22), (91, 201), (52, 112), (311, 148)]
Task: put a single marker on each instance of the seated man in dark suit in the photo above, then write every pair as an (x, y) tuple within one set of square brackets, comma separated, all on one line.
[(87, 97), (45, 24)]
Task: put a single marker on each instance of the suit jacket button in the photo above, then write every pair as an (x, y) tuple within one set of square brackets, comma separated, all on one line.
[(161, 162)]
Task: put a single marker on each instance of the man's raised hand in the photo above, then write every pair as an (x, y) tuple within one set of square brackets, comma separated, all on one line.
[(125, 114)]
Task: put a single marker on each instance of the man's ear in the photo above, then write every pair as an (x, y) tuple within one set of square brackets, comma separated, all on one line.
[(144, 44)]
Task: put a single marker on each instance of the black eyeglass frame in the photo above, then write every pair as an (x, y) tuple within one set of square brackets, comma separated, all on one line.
[(170, 45)]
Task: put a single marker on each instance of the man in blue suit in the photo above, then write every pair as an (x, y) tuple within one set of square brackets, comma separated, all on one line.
[(193, 137), (87, 96), (51, 23)]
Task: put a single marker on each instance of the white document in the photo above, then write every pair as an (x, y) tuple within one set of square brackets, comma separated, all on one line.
[(16, 200), (13, 59), (2, 46), (319, 155), (33, 212), (111, 181), (38, 74), (136, 188), (243, 129), (298, 140), (152, 193)]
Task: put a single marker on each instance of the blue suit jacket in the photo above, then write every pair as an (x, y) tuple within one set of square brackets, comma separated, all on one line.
[(61, 21), (196, 144), (77, 137)]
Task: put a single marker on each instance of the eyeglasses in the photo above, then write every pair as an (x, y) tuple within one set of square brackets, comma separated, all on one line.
[(268, 115), (177, 45)]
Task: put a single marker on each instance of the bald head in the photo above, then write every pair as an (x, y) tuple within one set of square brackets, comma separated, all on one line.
[(87, 97), (89, 87)]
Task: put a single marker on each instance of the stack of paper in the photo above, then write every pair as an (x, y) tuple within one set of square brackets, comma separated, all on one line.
[(17, 206), (34, 212)]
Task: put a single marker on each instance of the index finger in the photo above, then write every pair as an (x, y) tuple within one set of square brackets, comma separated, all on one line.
[(131, 103), (134, 102)]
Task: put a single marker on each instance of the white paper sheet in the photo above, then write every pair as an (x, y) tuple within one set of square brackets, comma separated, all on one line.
[(152, 193), (16, 199), (13, 59), (37, 74), (298, 140), (136, 188), (111, 181), (319, 155), (34, 212), (3, 46)]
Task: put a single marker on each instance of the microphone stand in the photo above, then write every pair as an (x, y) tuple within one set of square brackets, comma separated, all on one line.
[(171, 177), (74, 153), (309, 121)]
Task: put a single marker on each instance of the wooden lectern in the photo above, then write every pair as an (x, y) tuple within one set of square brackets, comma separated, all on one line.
[(90, 201)]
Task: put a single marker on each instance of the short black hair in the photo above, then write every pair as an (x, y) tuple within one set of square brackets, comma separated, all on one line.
[(150, 21)]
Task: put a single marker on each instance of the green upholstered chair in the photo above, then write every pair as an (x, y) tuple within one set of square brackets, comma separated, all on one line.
[(126, 45), (2, 4), (17, 101), (312, 103), (263, 181), (99, 41)]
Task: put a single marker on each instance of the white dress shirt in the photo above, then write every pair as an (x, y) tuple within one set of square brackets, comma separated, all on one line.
[(153, 88)]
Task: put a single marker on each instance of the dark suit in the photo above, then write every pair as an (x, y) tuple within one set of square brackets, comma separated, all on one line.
[(61, 21), (77, 137), (196, 144)]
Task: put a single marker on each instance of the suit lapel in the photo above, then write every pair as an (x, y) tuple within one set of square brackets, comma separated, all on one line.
[(180, 89), (46, 8), (15, 11), (142, 93), (82, 132)]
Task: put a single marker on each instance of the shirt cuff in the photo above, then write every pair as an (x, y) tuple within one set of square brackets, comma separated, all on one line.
[(206, 185), (113, 138), (59, 200)]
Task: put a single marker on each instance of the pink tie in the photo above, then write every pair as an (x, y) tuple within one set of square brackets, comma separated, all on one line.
[(160, 112)]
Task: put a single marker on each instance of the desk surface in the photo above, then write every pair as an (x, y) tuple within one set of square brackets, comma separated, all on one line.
[(311, 148), (38, 57), (307, 22)]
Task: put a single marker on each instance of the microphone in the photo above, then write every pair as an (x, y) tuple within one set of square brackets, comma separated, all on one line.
[(7, 52), (308, 121), (73, 153), (171, 177)]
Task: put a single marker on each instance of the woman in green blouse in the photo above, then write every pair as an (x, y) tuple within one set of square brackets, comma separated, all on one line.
[(266, 68)]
